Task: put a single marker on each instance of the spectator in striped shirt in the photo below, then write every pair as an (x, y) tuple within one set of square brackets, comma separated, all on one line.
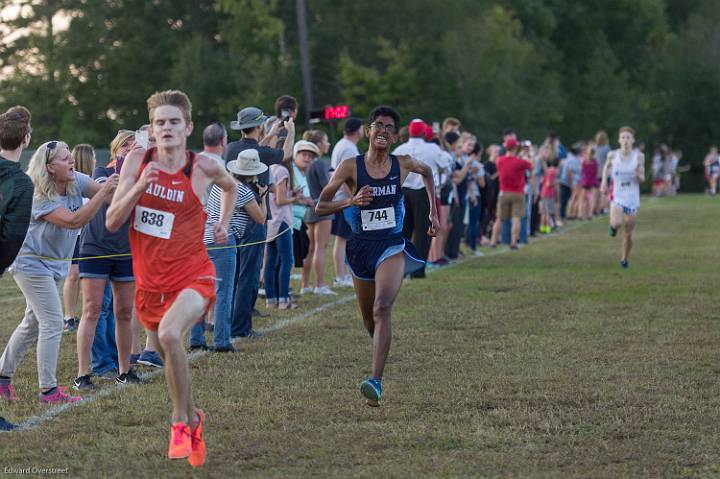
[(249, 208)]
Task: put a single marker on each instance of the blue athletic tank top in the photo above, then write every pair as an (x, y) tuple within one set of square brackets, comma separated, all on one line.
[(383, 217)]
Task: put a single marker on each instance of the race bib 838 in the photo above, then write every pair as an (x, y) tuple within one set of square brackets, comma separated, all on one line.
[(153, 222)]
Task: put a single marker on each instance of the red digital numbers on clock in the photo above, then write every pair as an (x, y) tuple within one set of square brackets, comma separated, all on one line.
[(337, 112)]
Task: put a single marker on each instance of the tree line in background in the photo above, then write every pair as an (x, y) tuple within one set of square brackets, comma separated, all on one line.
[(536, 65)]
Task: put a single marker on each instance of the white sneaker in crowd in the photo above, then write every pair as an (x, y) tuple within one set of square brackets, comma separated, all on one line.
[(344, 282), (308, 290), (325, 291)]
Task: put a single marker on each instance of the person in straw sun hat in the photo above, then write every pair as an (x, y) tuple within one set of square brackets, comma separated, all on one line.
[(244, 169), (250, 212), (247, 163)]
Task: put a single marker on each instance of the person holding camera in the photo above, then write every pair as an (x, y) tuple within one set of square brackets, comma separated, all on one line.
[(249, 211), (250, 122), (249, 217), (286, 108)]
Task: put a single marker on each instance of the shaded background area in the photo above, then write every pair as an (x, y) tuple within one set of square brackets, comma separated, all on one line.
[(85, 68)]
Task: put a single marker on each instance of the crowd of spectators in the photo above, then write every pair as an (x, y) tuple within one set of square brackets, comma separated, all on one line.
[(505, 193)]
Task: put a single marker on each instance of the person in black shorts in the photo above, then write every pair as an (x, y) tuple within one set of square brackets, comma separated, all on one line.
[(377, 254), (106, 264)]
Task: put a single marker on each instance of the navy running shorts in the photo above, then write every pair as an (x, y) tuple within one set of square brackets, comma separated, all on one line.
[(340, 226), (364, 256)]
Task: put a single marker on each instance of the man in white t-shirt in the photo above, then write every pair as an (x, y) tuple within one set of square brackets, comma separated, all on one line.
[(344, 149), (417, 209)]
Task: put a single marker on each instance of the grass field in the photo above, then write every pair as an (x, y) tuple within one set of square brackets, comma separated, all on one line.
[(546, 362)]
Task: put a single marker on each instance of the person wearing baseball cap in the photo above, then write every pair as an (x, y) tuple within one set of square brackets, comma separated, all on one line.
[(304, 153), (429, 133), (511, 203), (417, 209), (250, 122)]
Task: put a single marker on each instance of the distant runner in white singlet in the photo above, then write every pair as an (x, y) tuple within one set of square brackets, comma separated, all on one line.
[(626, 167)]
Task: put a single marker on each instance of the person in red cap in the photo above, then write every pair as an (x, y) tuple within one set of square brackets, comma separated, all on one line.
[(417, 215), (511, 202), (429, 133)]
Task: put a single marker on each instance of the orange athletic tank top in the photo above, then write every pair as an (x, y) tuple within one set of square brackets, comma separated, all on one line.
[(166, 232)]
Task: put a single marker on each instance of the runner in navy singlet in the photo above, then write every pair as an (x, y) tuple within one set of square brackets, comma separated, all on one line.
[(377, 253)]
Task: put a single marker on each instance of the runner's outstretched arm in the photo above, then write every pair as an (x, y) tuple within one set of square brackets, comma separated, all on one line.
[(77, 219), (129, 191), (342, 176)]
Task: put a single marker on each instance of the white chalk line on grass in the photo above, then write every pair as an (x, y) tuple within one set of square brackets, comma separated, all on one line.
[(54, 411)]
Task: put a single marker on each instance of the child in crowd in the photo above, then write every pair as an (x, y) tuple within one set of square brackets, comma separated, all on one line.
[(589, 181), (548, 193)]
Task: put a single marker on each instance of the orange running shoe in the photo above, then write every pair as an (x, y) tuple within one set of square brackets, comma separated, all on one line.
[(197, 456), (180, 444)]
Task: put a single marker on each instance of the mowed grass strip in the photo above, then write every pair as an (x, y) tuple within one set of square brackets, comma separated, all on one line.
[(546, 362)]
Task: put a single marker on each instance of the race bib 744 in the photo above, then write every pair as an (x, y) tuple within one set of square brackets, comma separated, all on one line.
[(379, 219)]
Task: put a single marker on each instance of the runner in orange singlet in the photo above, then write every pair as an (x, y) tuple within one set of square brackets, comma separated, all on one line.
[(162, 191)]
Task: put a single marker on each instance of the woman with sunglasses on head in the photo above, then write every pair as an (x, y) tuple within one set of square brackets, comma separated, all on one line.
[(57, 214)]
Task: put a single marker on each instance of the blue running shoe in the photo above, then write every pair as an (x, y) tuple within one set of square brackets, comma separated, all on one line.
[(133, 359), (5, 425), (612, 231), (371, 389), (150, 358), (624, 263)]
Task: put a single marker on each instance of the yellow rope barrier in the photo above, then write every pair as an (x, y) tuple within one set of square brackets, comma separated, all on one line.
[(122, 255)]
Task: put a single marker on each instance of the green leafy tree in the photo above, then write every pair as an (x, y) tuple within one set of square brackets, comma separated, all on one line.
[(260, 67), (500, 77), (688, 77), (604, 92), (397, 83)]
